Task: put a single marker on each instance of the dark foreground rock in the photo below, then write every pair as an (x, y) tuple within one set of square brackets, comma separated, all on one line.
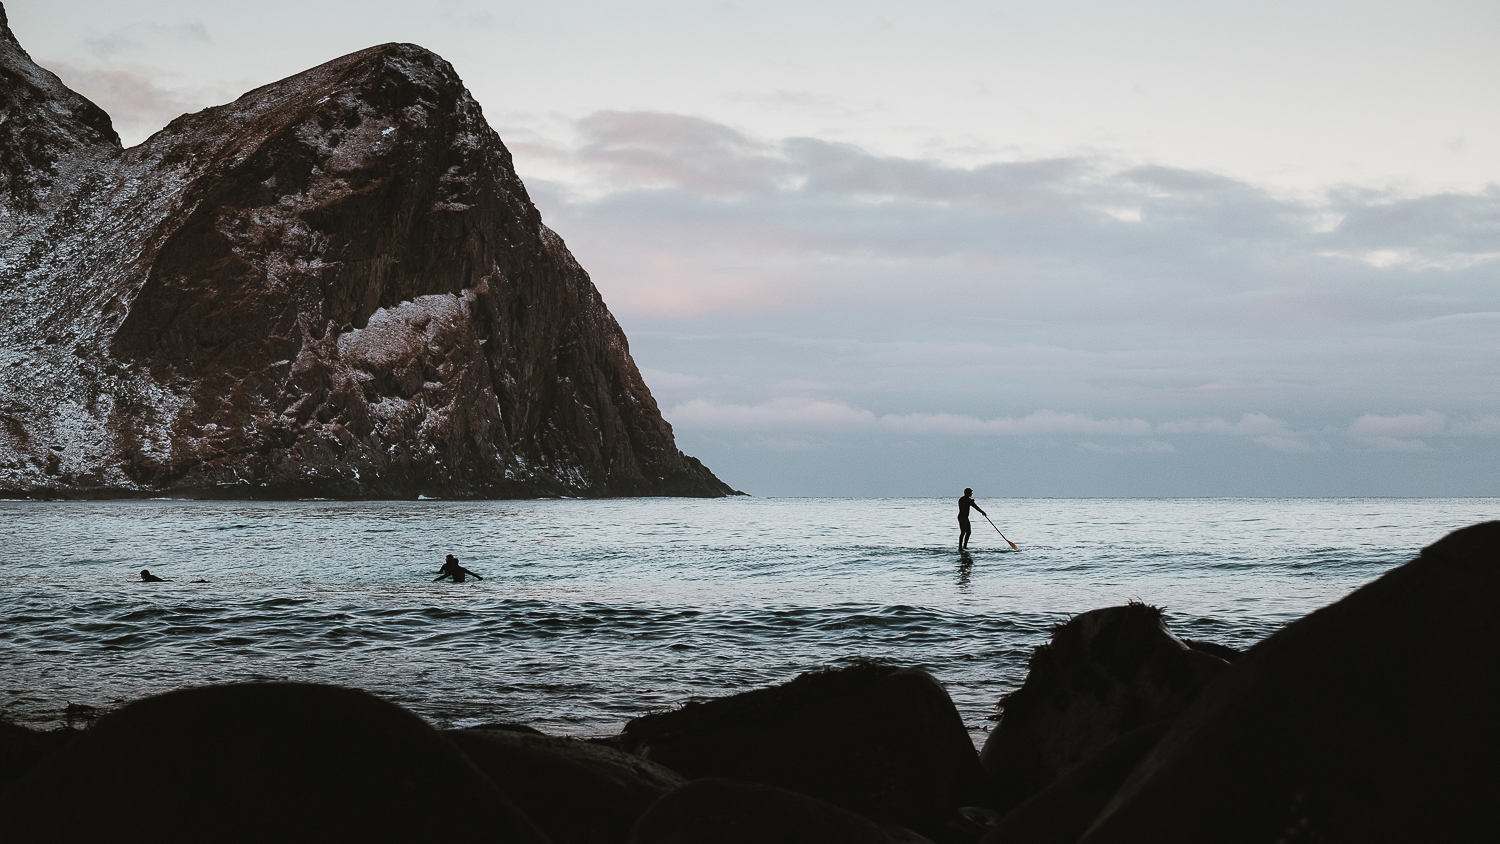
[(883, 742), (1370, 720), (1063, 811), (723, 811), (1104, 674), (22, 749), (255, 763), (335, 286), (575, 792)]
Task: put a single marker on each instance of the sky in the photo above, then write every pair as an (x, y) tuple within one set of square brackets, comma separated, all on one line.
[(1034, 248)]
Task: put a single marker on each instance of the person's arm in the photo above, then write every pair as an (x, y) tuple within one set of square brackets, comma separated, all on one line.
[(439, 577), (472, 574), (981, 511)]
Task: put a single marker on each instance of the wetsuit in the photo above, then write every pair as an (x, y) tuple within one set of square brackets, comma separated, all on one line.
[(964, 530), (452, 569)]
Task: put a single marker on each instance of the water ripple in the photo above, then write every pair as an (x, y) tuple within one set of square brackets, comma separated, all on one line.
[(591, 613)]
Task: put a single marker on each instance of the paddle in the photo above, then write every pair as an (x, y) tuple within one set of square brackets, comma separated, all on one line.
[(1002, 536)]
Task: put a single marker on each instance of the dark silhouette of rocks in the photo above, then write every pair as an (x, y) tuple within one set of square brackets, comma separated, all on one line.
[(1223, 652), (1104, 674), (724, 811), (1370, 720), (333, 286), (883, 742), (22, 749), (575, 792), (1063, 811), (260, 762)]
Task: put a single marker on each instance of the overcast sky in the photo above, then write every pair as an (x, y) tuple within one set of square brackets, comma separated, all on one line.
[(1036, 248)]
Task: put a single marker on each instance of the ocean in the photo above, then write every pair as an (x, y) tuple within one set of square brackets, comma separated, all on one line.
[(594, 612)]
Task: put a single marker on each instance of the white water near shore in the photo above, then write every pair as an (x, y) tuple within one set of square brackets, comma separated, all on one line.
[(593, 612)]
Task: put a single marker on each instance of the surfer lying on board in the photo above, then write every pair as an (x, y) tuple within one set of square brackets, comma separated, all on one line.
[(963, 518), (148, 577), (452, 569)]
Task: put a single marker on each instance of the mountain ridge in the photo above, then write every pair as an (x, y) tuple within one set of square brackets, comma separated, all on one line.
[(334, 286)]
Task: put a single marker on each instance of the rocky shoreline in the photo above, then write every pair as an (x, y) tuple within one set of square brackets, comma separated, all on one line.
[(1371, 719)]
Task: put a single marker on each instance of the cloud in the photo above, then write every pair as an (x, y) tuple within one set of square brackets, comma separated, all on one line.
[(670, 380), (1398, 433), (1272, 433), (834, 417), (935, 301), (1402, 432), (650, 150), (1448, 223), (807, 414), (1394, 444), (1415, 259), (1286, 445), (1041, 422), (776, 415), (1482, 426), (680, 215), (1138, 447), (1250, 425), (1372, 426)]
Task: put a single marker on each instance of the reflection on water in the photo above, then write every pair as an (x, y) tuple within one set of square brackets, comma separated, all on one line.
[(593, 612)]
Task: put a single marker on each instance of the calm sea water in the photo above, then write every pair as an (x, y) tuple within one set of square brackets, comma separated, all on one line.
[(594, 612)]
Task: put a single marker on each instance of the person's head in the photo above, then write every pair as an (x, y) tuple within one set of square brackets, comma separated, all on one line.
[(145, 572), (452, 559), (968, 491)]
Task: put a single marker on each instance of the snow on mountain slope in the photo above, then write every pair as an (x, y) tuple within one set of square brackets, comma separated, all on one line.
[(334, 286)]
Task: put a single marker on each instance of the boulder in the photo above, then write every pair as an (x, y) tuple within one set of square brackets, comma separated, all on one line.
[(1370, 720), (723, 811), (281, 762), (884, 742), (574, 791), (1104, 674), (21, 749), (1063, 811)]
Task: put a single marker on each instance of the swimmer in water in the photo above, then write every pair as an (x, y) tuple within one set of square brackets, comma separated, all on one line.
[(452, 569), (148, 577)]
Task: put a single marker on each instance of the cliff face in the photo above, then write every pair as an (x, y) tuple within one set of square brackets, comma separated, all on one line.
[(334, 286)]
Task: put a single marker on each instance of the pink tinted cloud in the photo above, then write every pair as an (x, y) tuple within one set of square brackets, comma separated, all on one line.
[(650, 149)]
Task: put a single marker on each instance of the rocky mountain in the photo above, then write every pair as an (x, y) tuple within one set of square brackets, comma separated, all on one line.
[(334, 286)]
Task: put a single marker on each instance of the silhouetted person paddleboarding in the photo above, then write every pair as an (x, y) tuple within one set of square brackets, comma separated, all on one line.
[(148, 577), (452, 569), (963, 518)]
